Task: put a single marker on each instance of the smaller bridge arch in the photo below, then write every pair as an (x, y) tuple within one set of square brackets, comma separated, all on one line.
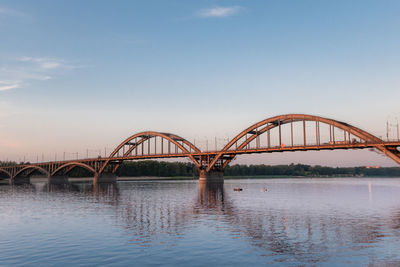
[(6, 172), (30, 169), (140, 142), (70, 165)]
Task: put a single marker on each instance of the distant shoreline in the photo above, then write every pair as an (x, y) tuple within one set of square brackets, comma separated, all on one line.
[(143, 170), (152, 178), (186, 178)]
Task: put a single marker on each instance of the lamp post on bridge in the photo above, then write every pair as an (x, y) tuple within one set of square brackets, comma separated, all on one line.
[(387, 130)]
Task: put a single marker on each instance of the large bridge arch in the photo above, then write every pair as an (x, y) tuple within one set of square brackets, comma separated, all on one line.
[(133, 143), (265, 125)]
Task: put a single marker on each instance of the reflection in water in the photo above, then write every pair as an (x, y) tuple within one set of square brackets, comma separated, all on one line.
[(303, 223), (277, 231), (65, 187), (106, 193), (211, 196)]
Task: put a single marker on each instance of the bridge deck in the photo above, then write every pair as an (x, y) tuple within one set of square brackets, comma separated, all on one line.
[(228, 152)]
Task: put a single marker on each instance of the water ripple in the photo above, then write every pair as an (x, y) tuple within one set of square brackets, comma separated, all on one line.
[(297, 222)]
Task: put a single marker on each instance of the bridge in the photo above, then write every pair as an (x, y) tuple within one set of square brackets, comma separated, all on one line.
[(291, 132)]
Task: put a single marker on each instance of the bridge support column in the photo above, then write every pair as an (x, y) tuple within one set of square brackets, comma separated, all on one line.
[(216, 177), (20, 180), (58, 179), (105, 178)]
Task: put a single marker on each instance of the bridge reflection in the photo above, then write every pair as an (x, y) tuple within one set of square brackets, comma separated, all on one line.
[(148, 210)]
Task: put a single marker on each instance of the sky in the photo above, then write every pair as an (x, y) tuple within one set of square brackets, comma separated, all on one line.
[(78, 75)]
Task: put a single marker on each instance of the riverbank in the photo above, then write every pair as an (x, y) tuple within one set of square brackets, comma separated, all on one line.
[(187, 178)]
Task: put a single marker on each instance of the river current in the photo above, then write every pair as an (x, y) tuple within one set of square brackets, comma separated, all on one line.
[(274, 222)]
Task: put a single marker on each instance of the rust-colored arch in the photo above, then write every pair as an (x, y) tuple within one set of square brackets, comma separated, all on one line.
[(6, 172), (273, 122), (44, 171), (74, 164), (151, 134)]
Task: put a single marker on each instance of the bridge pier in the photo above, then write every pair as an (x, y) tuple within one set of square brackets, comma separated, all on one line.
[(105, 178), (214, 177), (58, 179), (20, 180)]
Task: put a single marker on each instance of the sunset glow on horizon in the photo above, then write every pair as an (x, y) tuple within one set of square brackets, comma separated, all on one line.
[(81, 78)]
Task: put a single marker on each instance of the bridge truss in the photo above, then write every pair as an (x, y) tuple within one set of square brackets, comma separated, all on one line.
[(291, 132)]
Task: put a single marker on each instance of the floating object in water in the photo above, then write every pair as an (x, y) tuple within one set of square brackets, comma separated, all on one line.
[(263, 189), (237, 189)]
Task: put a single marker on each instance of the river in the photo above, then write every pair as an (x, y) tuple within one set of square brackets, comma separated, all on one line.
[(274, 222)]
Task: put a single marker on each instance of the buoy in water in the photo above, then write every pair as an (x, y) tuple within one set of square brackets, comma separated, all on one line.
[(237, 189)]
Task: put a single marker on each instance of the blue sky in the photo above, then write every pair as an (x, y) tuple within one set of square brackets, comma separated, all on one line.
[(86, 74)]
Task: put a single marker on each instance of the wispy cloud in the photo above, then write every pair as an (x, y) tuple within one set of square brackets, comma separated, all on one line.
[(20, 72), (11, 13), (6, 11), (219, 12), (44, 63), (8, 85)]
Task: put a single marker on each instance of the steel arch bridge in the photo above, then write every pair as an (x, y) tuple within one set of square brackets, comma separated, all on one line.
[(290, 132)]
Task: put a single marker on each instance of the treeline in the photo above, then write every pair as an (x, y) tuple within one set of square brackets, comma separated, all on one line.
[(156, 168), (174, 169), (307, 170), (8, 163)]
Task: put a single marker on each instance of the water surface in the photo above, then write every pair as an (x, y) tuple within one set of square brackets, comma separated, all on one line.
[(297, 222)]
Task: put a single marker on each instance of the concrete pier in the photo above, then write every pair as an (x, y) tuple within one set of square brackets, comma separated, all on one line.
[(105, 178), (211, 177), (20, 180), (58, 179)]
